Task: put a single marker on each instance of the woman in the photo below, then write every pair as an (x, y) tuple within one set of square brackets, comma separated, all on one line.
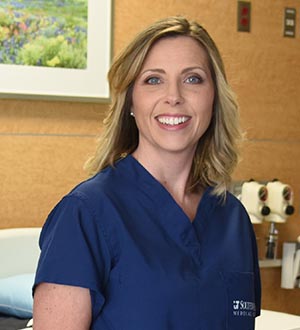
[(153, 240)]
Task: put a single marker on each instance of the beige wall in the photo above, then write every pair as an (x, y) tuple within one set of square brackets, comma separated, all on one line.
[(43, 144)]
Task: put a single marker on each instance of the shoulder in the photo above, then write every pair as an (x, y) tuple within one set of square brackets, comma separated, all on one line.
[(108, 181), (82, 214), (96, 190), (233, 202), (228, 204), (230, 210), (84, 204), (94, 185)]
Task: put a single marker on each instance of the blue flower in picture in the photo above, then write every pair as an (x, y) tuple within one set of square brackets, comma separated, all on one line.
[(35, 32)]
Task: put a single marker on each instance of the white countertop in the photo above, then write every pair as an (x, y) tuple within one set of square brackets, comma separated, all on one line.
[(269, 320)]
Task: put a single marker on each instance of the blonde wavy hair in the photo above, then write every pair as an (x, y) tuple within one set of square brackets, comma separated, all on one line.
[(217, 152)]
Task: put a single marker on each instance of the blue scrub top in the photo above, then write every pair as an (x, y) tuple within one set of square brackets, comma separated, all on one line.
[(148, 267)]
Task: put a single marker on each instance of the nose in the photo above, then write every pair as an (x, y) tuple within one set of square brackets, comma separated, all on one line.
[(174, 94)]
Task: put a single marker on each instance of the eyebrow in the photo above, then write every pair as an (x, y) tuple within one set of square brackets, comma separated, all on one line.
[(183, 71)]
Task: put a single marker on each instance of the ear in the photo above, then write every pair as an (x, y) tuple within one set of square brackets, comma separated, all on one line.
[(132, 112)]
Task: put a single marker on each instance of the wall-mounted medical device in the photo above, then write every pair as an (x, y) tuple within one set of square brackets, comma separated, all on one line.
[(270, 201), (254, 196), (280, 201), (290, 271), (266, 201)]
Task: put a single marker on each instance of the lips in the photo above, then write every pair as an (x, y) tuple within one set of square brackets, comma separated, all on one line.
[(172, 120)]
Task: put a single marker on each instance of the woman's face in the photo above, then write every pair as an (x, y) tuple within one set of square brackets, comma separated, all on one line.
[(173, 97)]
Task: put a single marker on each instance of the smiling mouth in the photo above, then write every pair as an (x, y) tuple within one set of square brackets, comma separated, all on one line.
[(172, 121)]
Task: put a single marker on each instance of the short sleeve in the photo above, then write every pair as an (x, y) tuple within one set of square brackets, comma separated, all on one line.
[(74, 250)]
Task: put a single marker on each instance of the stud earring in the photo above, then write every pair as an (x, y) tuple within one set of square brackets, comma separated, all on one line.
[(132, 114)]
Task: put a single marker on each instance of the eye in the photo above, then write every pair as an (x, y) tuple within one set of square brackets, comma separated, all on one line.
[(153, 81), (194, 80)]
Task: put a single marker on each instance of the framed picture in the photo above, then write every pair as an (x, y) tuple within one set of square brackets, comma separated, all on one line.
[(55, 49)]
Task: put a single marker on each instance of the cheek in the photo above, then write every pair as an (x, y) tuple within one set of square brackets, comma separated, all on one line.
[(205, 111), (142, 104), (205, 103), (210, 101)]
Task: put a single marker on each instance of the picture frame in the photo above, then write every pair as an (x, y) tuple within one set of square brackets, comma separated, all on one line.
[(54, 83)]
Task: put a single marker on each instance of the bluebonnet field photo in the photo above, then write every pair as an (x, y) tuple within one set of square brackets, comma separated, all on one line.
[(49, 33)]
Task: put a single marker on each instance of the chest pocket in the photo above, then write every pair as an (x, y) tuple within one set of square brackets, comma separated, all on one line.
[(241, 309)]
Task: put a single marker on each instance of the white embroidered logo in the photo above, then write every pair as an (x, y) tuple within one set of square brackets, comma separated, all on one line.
[(243, 308)]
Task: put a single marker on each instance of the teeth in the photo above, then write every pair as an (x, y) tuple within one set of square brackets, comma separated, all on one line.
[(172, 121)]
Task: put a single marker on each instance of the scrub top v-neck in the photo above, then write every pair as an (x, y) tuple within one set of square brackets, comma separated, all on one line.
[(121, 235)]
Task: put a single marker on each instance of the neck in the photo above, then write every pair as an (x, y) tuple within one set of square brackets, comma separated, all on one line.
[(170, 169)]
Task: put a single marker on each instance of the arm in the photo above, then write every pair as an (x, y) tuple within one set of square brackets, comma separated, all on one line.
[(61, 307)]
